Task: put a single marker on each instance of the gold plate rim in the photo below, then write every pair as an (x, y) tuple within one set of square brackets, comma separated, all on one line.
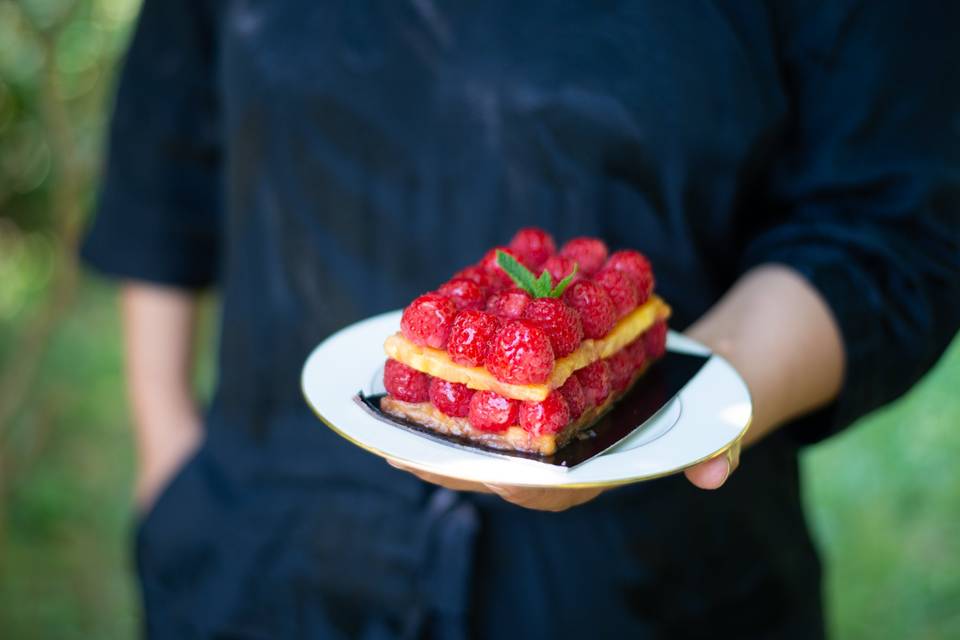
[(572, 485)]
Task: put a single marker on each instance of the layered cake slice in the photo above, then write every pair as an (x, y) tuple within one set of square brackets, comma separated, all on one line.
[(528, 347)]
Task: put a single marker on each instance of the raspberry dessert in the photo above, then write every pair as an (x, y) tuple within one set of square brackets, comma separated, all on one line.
[(529, 346)]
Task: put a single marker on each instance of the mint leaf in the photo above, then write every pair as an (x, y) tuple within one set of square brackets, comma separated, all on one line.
[(517, 272), (543, 285), (536, 287), (558, 290)]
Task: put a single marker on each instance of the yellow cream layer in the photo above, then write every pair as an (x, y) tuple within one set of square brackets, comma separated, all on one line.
[(437, 363)]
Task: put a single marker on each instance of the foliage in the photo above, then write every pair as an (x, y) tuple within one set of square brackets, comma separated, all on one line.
[(884, 497), (884, 501)]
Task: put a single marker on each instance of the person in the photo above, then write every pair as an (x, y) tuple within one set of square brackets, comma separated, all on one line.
[(790, 170)]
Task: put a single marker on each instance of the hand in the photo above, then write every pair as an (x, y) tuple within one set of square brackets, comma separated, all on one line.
[(161, 459), (710, 474), (539, 498)]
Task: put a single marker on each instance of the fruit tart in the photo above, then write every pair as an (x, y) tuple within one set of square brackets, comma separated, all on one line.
[(529, 347)]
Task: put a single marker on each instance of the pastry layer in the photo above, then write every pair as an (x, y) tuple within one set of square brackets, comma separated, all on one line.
[(437, 363), (513, 438)]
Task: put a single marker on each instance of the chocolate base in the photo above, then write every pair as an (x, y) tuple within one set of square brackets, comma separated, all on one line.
[(661, 383)]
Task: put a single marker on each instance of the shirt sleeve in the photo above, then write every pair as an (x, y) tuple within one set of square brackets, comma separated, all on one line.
[(158, 213), (865, 202)]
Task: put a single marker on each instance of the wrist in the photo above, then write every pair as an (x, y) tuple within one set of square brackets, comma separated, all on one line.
[(159, 432), (162, 449)]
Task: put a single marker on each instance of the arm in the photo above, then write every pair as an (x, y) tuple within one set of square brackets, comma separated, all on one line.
[(158, 221), (779, 334), (158, 325)]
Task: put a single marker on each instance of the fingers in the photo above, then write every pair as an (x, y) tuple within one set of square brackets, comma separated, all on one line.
[(443, 481), (712, 473), (539, 498), (544, 499)]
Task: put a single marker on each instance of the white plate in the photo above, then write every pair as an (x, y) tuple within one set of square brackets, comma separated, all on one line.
[(711, 413)]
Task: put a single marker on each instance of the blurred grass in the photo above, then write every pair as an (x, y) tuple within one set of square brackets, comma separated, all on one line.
[(64, 570), (66, 564), (884, 501), (883, 497)]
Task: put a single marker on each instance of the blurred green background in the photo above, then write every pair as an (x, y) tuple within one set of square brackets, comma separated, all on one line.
[(884, 497)]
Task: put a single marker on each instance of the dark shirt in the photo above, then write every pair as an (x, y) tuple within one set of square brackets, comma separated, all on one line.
[(320, 162)]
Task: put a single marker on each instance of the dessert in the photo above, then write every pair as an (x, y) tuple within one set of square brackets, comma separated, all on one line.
[(528, 347)]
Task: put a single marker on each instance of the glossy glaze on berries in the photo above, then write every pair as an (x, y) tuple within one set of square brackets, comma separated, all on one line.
[(620, 287), (533, 245), (520, 354), (490, 411), (508, 303), (559, 321), (597, 313), (427, 320), (471, 336), (637, 265), (589, 253), (451, 398), (465, 293), (476, 274), (549, 416), (621, 370), (573, 393), (595, 380), (405, 383)]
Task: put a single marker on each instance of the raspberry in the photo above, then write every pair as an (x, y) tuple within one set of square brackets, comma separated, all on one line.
[(637, 265), (573, 393), (451, 398), (533, 245), (589, 253), (470, 337), (597, 313), (655, 340), (560, 322), (497, 275), (509, 303), (559, 267), (476, 274), (426, 321), (595, 380), (621, 370), (466, 294), (549, 416), (621, 288), (405, 383), (490, 411), (638, 353), (520, 354)]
